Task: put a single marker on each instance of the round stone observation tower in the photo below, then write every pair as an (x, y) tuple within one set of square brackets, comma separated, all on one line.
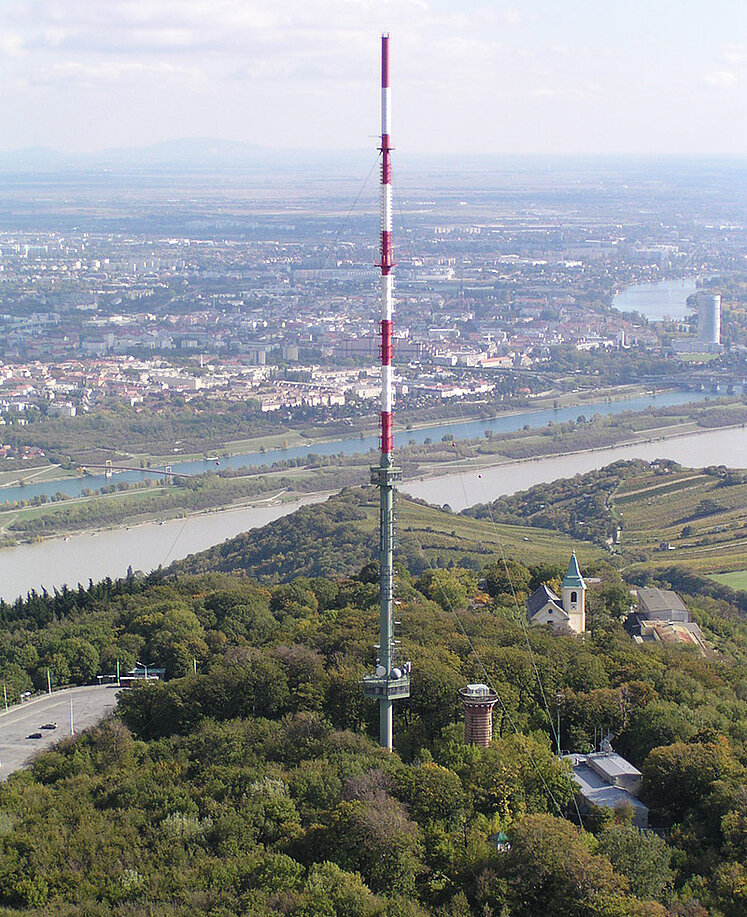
[(478, 701)]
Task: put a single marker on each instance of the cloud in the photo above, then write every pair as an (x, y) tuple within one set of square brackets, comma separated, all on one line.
[(720, 79), (163, 25), (289, 68), (267, 39), (107, 72), (11, 44), (733, 54)]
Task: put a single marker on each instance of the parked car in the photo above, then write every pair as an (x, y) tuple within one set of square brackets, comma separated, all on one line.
[(35, 735), (49, 726)]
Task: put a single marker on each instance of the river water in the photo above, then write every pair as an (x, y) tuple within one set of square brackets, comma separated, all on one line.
[(657, 301), (697, 450), (143, 547), (80, 557), (474, 429), (109, 553)]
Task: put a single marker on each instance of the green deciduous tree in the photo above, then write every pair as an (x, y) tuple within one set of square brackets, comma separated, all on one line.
[(376, 838), (644, 859), (678, 778), (551, 871)]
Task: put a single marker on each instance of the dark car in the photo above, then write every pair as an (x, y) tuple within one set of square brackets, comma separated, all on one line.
[(35, 735), (49, 726)]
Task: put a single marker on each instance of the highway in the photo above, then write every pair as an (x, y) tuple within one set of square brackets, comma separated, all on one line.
[(90, 704)]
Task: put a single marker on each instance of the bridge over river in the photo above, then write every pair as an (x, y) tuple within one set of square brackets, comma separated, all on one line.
[(110, 469)]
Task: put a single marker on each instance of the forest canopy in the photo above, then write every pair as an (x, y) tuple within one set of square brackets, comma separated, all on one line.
[(256, 787)]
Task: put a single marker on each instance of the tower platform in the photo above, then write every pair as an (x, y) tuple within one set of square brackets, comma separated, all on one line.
[(385, 475), (382, 686)]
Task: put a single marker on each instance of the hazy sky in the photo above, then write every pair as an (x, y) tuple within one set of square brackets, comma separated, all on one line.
[(631, 76)]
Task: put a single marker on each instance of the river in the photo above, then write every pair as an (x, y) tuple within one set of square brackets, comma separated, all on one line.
[(80, 557), (473, 429), (696, 450), (657, 301), (143, 547)]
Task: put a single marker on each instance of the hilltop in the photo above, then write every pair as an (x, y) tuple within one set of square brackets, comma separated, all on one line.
[(338, 537), (253, 786), (647, 515), (249, 781), (649, 520)]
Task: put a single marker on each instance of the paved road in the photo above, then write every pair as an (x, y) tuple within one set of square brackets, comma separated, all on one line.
[(90, 704)]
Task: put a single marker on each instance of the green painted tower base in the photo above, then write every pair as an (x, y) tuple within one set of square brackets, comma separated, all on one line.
[(391, 680)]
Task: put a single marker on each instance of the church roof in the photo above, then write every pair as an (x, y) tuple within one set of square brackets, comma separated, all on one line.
[(539, 599), (573, 578)]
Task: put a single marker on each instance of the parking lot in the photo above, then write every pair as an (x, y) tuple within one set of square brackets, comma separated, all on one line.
[(90, 704)]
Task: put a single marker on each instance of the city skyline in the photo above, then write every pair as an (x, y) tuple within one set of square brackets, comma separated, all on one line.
[(658, 78)]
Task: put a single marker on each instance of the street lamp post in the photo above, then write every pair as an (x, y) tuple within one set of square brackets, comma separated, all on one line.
[(558, 702)]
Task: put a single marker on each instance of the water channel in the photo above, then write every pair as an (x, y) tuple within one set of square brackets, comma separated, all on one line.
[(474, 429), (109, 553), (78, 558), (697, 450)]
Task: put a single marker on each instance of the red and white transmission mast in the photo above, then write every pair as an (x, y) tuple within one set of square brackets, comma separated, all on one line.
[(386, 263), (391, 679)]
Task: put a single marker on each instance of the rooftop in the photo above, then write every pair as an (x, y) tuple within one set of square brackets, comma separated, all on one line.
[(652, 600), (539, 598), (596, 789), (573, 578), (611, 766)]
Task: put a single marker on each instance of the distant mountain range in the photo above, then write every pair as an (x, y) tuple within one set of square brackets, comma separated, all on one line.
[(196, 153), (201, 157)]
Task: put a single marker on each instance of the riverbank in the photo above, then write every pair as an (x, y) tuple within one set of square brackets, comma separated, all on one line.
[(291, 458), (281, 497), (299, 439), (475, 445), (469, 486), (146, 546)]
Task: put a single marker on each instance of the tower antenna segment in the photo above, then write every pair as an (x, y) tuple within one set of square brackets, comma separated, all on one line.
[(392, 678)]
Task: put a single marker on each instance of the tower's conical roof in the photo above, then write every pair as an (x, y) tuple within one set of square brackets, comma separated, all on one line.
[(573, 578)]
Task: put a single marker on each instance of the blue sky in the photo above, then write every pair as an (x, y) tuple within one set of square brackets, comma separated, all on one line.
[(571, 76)]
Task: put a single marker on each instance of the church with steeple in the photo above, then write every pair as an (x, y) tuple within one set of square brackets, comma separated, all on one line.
[(566, 611)]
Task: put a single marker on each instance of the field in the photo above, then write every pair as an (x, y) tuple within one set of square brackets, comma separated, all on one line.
[(696, 519), (451, 538), (736, 580)]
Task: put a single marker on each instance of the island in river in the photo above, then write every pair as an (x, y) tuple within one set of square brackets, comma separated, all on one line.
[(476, 475), (32, 511)]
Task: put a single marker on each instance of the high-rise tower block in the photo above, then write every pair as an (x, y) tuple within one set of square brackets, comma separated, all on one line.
[(709, 318)]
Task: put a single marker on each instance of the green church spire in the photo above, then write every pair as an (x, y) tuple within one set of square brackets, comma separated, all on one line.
[(573, 578)]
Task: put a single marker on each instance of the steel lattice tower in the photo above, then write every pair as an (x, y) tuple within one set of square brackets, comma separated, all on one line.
[(391, 681)]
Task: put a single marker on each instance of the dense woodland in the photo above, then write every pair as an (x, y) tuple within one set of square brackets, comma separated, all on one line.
[(256, 785)]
